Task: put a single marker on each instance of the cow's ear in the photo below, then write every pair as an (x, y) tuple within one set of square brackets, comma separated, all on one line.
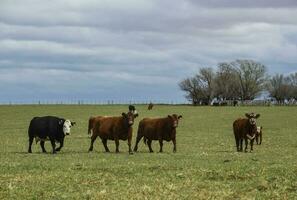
[(60, 122), (258, 115), (179, 117), (135, 115), (124, 114), (73, 123), (169, 116), (247, 115)]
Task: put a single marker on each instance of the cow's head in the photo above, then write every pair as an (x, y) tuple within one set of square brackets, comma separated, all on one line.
[(129, 117), (252, 118), (174, 119), (67, 124)]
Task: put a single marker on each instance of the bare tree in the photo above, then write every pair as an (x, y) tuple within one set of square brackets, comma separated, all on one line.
[(278, 88), (252, 77), (191, 87), (199, 89), (292, 81), (227, 85)]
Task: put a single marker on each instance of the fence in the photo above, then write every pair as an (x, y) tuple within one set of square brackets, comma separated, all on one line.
[(91, 102)]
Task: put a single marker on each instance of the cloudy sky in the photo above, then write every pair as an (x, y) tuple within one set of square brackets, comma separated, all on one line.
[(134, 50)]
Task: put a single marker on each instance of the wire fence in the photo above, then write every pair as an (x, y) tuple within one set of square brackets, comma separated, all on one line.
[(146, 102), (92, 102)]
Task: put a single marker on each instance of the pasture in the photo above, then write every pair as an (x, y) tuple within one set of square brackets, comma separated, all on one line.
[(206, 165)]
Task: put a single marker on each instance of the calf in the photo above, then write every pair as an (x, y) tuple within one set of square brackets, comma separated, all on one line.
[(245, 129), (113, 128), (259, 134), (48, 128), (158, 129)]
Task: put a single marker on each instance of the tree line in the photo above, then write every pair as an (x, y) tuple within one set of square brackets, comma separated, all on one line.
[(238, 80)]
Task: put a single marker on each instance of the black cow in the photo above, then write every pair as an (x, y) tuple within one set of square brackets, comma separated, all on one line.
[(132, 109), (48, 128)]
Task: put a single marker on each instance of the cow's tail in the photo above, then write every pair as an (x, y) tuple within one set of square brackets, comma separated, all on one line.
[(90, 126), (31, 132), (140, 132), (96, 127)]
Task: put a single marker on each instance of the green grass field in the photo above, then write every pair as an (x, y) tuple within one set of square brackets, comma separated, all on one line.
[(205, 166)]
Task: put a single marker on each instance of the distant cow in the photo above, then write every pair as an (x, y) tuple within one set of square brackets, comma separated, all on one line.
[(132, 109), (259, 134), (235, 103), (245, 129), (113, 128), (48, 128), (150, 106), (158, 129)]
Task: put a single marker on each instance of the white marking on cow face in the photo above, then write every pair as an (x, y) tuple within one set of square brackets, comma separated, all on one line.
[(253, 121), (66, 127)]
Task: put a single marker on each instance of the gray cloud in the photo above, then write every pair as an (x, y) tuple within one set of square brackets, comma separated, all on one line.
[(138, 45)]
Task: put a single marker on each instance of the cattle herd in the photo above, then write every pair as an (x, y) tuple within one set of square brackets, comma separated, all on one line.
[(118, 128)]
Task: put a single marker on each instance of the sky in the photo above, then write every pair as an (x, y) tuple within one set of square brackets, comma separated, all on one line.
[(134, 50)]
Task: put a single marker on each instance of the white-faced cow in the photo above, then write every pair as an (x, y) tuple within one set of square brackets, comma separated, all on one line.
[(49, 128), (245, 129)]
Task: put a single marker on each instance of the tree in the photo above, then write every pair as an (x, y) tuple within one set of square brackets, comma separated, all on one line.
[(292, 81), (278, 88), (226, 83), (251, 76), (199, 89), (191, 87)]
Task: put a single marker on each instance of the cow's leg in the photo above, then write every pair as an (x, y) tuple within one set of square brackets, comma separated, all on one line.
[(53, 145), (129, 145), (240, 144), (93, 138), (237, 143), (136, 144), (42, 146), (252, 143), (260, 138), (117, 143), (161, 145), (246, 144), (174, 145), (149, 144), (61, 145), (30, 144), (104, 142), (257, 138)]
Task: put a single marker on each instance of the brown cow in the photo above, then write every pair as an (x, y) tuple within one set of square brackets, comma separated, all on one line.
[(113, 128), (259, 134), (158, 129), (245, 129), (92, 124), (150, 106)]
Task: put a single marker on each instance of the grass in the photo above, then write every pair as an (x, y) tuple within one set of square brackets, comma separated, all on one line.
[(205, 166)]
